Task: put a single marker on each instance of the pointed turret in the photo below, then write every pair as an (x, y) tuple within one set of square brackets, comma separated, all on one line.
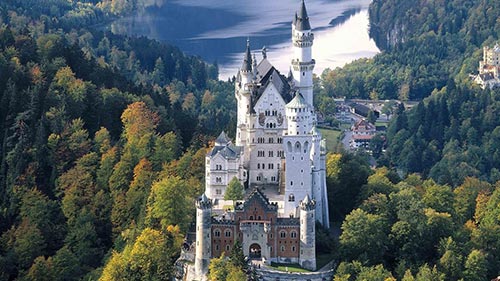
[(222, 140), (247, 60), (302, 19)]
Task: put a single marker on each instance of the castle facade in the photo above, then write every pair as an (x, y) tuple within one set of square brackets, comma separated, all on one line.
[(489, 68), (278, 156)]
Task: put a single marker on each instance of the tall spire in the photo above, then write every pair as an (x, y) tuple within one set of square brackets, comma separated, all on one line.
[(247, 61), (302, 19)]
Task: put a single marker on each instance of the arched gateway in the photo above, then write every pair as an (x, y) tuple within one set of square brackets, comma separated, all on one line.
[(255, 251)]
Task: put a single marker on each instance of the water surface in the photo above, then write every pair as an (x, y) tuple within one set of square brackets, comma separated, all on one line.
[(217, 30)]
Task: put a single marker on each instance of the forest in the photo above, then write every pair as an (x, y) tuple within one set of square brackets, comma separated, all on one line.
[(99, 172), (426, 44)]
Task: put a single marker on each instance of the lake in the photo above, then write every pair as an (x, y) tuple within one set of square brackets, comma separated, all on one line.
[(217, 30)]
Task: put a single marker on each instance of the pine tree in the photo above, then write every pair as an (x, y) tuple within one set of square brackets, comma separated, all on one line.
[(234, 190)]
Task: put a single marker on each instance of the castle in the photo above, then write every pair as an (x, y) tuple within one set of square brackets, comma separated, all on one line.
[(278, 156), (489, 67)]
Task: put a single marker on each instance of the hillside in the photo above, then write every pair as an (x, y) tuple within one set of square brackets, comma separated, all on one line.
[(88, 122), (426, 43)]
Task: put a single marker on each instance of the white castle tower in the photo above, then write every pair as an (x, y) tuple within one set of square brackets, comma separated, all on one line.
[(307, 258), (242, 93), (297, 145), (303, 63), (203, 237)]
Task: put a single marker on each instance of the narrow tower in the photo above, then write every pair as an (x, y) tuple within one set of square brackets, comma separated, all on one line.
[(319, 194), (203, 237), (297, 147), (303, 63), (307, 257), (242, 93)]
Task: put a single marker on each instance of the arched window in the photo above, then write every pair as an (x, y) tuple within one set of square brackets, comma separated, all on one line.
[(217, 233), (282, 248), (293, 234), (282, 234), (227, 233), (291, 198), (289, 145), (297, 147)]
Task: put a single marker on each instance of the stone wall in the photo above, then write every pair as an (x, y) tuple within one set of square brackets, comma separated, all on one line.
[(274, 275)]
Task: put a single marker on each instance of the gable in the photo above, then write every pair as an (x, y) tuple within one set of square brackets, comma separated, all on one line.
[(270, 99)]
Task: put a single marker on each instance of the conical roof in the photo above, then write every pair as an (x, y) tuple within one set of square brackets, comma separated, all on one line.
[(297, 102), (247, 60), (302, 20), (204, 198), (222, 139)]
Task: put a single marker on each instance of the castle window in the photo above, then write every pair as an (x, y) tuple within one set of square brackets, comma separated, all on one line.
[(270, 166), (273, 178), (218, 191), (291, 182), (293, 248), (280, 140), (271, 235), (282, 234), (271, 249), (259, 178), (271, 153), (260, 153), (271, 140), (291, 198), (293, 234), (217, 247), (282, 248), (227, 233), (217, 233), (258, 165), (228, 248)]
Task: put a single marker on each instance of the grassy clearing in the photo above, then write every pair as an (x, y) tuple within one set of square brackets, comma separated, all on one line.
[(288, 267), (332, 138)]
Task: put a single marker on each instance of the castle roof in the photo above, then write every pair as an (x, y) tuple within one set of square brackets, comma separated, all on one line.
[(301, 20), (222, 140), (228, 152), (247, 60), (297, 102), (487, 76), (257, 196), (267, 75)]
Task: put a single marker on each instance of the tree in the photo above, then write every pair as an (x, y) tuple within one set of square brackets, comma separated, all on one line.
[(234, 190), (168, 204), (425, 273), (363, 237), (476, 266), (237, 257), (451, 260), (372, 118), (41, 270), (218, 268), (29, 244)]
